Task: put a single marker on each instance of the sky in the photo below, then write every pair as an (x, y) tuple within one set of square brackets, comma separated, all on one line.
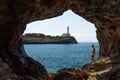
[(80, 28)]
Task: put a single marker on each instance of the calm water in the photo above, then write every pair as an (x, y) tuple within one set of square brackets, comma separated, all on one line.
[(57, 56)]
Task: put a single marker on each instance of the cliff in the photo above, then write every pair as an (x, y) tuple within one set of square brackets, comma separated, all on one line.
[(48, 39), (16, 14)]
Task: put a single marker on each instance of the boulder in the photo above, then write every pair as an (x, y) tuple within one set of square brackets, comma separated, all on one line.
[(71, 74)]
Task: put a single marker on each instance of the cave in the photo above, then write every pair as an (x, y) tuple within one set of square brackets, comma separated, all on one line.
[(15, 15), (43, 53)]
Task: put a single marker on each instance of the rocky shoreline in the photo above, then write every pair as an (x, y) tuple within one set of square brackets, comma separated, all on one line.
[(91, 71), (26, 68), (50, 40)]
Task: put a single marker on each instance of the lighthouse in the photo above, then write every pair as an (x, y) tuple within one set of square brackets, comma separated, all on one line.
[(68, 33), (68, 30)]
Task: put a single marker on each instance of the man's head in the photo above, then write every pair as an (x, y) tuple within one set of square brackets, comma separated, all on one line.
[(92, 45)]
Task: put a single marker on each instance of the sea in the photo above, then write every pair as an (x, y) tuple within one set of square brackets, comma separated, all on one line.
[(58, 56)]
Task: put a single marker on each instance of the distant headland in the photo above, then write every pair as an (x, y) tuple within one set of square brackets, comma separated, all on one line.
[(38, 38)]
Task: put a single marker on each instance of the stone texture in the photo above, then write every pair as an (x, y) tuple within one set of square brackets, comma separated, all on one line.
[(71, 74), (113, 74), (51, 76), (22, 66), (15, 14), (6, 72)]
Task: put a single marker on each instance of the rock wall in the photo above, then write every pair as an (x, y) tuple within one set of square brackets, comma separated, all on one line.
[(106, 17), (15, 14), (15, 66)]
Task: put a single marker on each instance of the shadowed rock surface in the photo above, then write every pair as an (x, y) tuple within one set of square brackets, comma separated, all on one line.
[(71, 74), (15, 66), (15, 14), (113, 74)]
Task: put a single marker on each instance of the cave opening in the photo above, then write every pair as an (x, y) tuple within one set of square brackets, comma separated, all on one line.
[(15, 64), (53, 56)]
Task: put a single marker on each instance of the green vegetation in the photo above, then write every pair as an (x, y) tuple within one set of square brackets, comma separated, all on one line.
[(43, 38)]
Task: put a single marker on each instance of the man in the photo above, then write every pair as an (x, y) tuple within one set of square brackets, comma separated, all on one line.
[(93, 53)]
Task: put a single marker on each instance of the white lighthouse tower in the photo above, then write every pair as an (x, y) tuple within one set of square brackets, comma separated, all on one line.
[(68, 33), (68, 30)]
